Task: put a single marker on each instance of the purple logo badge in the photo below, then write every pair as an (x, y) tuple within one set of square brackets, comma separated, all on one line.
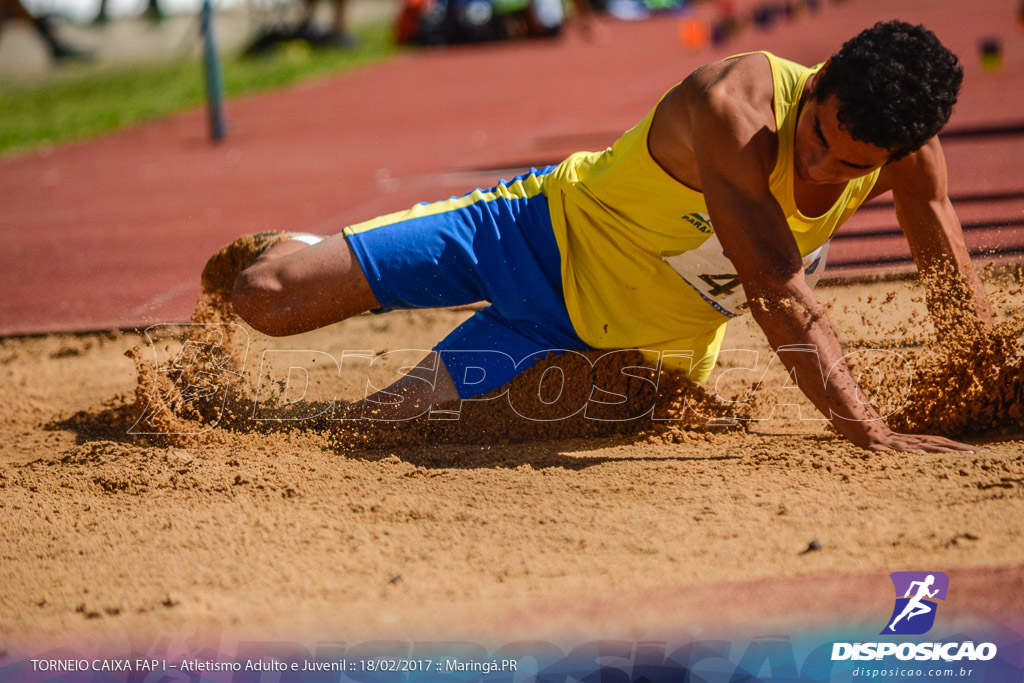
[(916, 596)]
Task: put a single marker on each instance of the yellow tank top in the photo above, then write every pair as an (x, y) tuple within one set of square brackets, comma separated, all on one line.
[(631, 239)]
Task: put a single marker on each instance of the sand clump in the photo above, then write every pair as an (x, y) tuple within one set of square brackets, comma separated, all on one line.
[(964, 378), (946, 372), (189, 394), (636, 401), (218, 277), (969, 377), (183, 405)]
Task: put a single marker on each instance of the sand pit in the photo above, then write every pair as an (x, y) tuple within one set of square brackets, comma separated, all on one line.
[(490, 525)]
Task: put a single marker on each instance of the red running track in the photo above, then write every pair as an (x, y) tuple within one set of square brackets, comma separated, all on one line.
[(114, 232)]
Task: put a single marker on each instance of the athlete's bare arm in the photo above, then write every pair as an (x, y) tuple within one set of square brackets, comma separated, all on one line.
[(733, 142), (926, 215)]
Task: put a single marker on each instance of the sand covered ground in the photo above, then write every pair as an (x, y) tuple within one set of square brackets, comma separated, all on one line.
[(483, 527)]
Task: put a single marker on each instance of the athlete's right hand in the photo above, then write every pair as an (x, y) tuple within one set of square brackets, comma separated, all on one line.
[(888, 440)]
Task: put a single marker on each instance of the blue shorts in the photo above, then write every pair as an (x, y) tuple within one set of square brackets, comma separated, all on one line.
[(493, 245)]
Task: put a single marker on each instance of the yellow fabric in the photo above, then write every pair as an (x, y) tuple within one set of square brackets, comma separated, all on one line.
[(616, 213), (523, 188)]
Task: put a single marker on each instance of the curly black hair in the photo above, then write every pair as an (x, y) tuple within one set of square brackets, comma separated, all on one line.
[(896, 85)]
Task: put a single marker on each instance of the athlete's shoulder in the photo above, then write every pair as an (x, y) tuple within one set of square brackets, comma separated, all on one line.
[(743, 83), (749, 72), (722, 105)]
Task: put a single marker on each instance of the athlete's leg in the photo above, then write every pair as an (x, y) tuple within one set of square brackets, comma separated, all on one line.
[(428, 384), (457, 251), (295, 287)]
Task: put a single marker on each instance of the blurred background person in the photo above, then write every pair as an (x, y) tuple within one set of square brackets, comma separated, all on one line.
[(336, 35), (60, 51), (153, 12), (305, 28)]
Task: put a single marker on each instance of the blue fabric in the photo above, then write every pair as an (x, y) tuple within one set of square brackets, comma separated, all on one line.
[(502, 251)]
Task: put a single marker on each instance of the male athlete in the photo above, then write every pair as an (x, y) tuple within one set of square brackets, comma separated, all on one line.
[(721, 200)]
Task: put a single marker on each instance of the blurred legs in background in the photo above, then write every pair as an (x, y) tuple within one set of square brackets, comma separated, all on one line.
[(60, 51), (304, 28), (152, 12), (337, 35)]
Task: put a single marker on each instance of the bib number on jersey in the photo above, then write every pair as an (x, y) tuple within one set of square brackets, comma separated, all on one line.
[(709, 271), (721, 285)]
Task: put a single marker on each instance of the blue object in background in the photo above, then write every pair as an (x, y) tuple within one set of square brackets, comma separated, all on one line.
[(214, 78)]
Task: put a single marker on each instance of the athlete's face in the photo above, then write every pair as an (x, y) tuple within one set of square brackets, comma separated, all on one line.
[(824, 152)]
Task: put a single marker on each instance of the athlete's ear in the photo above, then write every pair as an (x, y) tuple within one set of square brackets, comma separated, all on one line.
[(817, 76)]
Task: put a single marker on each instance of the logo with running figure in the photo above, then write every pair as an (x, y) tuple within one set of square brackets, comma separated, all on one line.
[(914, 612)]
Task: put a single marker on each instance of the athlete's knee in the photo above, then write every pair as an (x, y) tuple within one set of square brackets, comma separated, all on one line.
[(259, 298)]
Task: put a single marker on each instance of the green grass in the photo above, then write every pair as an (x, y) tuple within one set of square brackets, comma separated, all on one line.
[(92, 101)]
